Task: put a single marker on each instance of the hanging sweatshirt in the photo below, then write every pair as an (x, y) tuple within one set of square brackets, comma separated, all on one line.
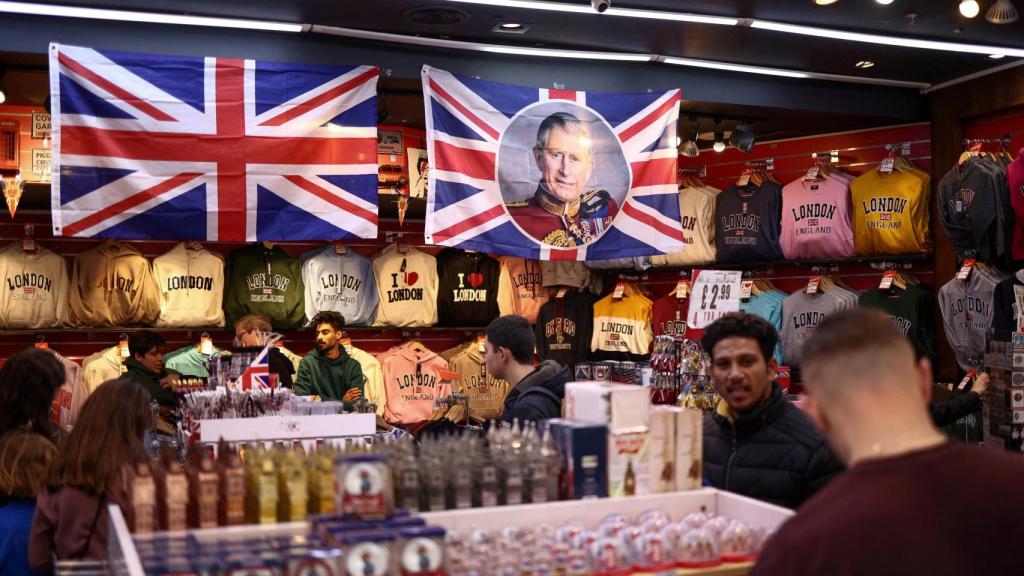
[(570, 273), (328, 378), (967, 316), (111, 285), (102, 366), (1004, 306), (265, 281), (668, 315), (565, 328), (622, 327), (373, 378), (35, 288), (912, 312), (801, 314), (972, 211), (486, 393), (188, 361), (412, 382), (697, 216), (407, 284), (816, 220), (768, 305), (520, 288), (467, 288), (71, 395), (191, 285), (890, 213), (747, 223), (1015, 185), (342, 283)]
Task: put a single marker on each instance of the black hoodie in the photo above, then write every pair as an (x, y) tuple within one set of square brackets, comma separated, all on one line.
[(538, 396)]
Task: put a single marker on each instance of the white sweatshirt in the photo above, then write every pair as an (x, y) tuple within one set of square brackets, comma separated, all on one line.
[(35, 288), (191, 286)]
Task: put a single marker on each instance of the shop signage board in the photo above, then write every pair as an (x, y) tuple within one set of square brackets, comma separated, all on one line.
[(40, 125), (42, 162)]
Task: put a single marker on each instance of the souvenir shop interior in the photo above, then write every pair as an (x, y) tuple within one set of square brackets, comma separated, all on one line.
[(161, 173)]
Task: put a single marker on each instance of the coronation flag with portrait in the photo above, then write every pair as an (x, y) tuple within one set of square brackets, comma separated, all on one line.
[(550, 174)]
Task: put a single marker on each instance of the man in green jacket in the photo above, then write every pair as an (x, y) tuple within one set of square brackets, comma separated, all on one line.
[(328, 371), (146, 366)]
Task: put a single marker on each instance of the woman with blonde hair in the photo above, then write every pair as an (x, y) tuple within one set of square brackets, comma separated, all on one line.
[(71, 511)]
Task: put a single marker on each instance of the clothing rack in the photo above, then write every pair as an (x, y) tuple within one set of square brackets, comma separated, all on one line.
[(702, 171), (839, 150), (766, 163)]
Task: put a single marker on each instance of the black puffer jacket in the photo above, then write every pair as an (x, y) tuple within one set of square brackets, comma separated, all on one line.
[(538, 396), (773, 453)]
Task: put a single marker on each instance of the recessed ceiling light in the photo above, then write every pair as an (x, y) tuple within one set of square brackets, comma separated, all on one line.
[(884, 2), (969, 8), (864, 64), (825, 2), (511, 26), (996, 56)]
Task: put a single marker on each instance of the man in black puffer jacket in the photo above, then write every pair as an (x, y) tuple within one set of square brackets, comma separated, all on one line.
[(757, 443), (536, 392)]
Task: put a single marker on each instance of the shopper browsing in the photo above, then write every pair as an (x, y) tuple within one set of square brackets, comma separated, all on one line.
[(757, 443), (535, 392), (328, 371), (24, 460), (71, 511), (901, 507), (251, 335), (146, 366), (29, 381)]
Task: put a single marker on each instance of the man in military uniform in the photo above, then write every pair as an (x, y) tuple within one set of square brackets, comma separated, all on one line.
[(560, 212)]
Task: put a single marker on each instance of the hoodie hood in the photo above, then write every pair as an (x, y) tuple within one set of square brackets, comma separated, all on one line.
[(548, 374)]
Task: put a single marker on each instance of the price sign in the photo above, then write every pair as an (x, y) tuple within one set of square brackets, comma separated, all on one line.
[(42, 162), (40, 125), (965, 269), (715, 294), (887, 166), (812, 173)]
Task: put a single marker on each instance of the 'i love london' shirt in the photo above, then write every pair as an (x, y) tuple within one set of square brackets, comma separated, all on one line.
[(467, 288), (816, 220), (407, 285)]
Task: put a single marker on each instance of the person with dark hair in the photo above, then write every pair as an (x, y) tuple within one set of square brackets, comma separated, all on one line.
[(757, 443), (908, 487), (328, 371), (563, 212), (146, 366), (29, 381), (535, 392), (71, 510), (251, 336), (24, 461)]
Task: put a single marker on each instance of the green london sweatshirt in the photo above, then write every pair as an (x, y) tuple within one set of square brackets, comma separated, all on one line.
[(151, 381), (266, 281), (327, 378)]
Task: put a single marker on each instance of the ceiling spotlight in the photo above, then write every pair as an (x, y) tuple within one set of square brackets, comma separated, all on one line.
[(742, 137), (996, 56), (969, 8), (825, 2), (864, 64), (1002, 12), (884, 2), (690, 149), (719, 136), (511, 27)]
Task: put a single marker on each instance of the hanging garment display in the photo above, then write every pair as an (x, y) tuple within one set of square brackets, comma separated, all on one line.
[(1015, 183), (747, 223), (816, 219), (890, 212), (412, 382), (339, 280), (264, 279), (767, 304), (1005, 311), (407, 286), (111, 285), (104, 365), (803, 312), (966, 307), (467, 288), (912, 311), (975, 211), (697, 216), (35, 288), (72, 394), (190, 280), (565, 327), (373, 377), (521, 289), (622, 326), (486, 393)]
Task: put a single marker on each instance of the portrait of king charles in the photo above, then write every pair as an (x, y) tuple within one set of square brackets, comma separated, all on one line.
[(564, 211)]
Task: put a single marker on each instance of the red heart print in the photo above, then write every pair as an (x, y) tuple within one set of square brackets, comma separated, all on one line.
[(476, 279), (411, 278)]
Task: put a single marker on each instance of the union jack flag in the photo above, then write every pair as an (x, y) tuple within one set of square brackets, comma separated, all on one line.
[(218, 149), (467, 119)]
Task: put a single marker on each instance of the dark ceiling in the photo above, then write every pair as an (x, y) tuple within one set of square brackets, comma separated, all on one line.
[(936, 19)]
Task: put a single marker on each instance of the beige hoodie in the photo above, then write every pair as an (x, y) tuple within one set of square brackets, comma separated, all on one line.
[(35, 288), (111, 285)]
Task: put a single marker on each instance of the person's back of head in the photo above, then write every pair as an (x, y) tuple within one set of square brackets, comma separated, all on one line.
[(863, 382), (25, 459), (108, 434), (29, 381), (514, 334)]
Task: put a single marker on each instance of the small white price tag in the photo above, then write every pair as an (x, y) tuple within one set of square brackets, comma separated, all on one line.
[(812, 285), (744, 178), (886, 166), (682, 289), (967, 380), (965, 269), (812, 173), (620, 291), (715, 293), (122, 348), (746, 288), (205, 345), (887, 277)]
